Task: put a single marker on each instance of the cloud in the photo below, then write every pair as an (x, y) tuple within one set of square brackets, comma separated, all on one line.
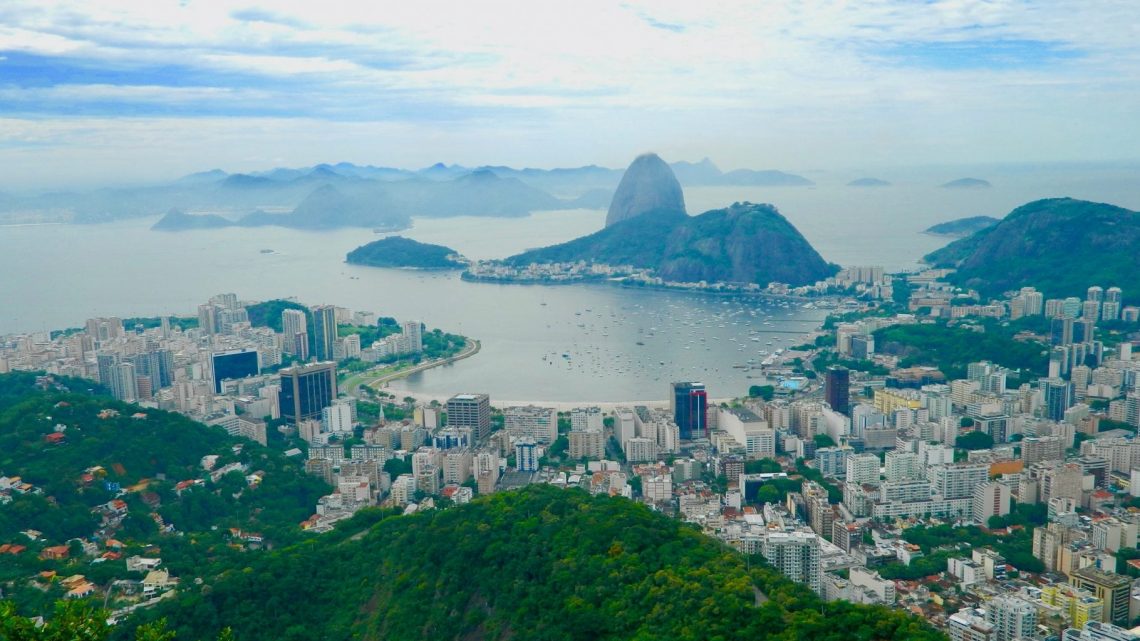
[(654, 71)]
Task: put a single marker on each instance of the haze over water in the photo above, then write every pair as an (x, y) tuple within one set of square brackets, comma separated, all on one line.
[(125, 269)]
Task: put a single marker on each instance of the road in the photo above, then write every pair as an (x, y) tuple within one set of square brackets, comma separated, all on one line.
[(360, 380)]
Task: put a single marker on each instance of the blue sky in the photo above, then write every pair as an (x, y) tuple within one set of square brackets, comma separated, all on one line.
[(120, 90)]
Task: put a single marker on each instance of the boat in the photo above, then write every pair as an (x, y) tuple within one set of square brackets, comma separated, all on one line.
[(640, 343), (267, 251)]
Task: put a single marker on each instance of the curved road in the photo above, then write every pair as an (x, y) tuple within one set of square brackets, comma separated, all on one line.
[(472, 348)]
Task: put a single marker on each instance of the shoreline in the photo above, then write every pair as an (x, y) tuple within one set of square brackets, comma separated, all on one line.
[(561, 406), (622, 283), (380, 383)]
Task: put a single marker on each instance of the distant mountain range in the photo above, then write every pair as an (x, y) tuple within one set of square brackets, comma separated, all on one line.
[(1061, 246), (345, 194)]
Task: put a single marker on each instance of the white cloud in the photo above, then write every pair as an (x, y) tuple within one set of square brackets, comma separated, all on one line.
[(763, 84)]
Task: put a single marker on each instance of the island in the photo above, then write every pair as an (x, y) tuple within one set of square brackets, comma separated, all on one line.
[(868, 182), (649, 239), (962, 226), (967, 183), (405, 253)]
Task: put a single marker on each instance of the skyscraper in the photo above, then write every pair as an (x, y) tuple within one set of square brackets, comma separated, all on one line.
[(1110, 310), (293, 322), (470, 410), (324, 332), (124, 385), (837, 382), (690, 410), (306, 390), (1058, 397)]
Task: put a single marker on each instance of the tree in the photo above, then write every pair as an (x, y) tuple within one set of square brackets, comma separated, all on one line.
[(974, 441), (397, 466), (767, 494), (765, 392), (823, 440)]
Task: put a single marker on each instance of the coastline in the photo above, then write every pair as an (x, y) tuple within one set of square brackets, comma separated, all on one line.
[(561, 406), (623, 283), (381, 382)]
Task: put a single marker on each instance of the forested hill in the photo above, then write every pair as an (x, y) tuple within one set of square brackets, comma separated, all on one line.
[(1061, 246), (538, 563), (126, 481)]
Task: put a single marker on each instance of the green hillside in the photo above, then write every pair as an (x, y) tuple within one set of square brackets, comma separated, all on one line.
[(539, 563), (108, 450), (1061, 246)]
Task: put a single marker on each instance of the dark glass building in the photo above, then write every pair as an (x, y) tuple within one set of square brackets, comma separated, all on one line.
[(837, 384), (690, 405), (306, 390), (231, 365), (324, 332)]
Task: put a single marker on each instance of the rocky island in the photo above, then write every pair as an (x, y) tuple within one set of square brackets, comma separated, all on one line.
[(405, 253), (649, 236)]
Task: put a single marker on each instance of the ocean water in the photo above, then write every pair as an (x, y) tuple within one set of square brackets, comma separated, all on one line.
[(559, 343)]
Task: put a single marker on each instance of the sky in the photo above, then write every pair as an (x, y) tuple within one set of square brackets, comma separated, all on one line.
[(121, 91)]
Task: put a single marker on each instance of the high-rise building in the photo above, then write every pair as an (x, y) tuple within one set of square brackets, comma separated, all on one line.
[(587, 443), (413, 337), (470, 410), (526, 455), (957, 480), (1012, 618), (208, 318), (689, 404), (234, 364), (863, 469), (1111, 588), (797, 556), (324, 332), (306, 390), (1034, 301), (837, 382), (990, 499), (337, 418), (966, 625), (1071, 307), (294, 324), (124, 382), (1058, 397), (539, 423), (1035, 449), (902, 466), (1110, 310), (1061, 331)]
